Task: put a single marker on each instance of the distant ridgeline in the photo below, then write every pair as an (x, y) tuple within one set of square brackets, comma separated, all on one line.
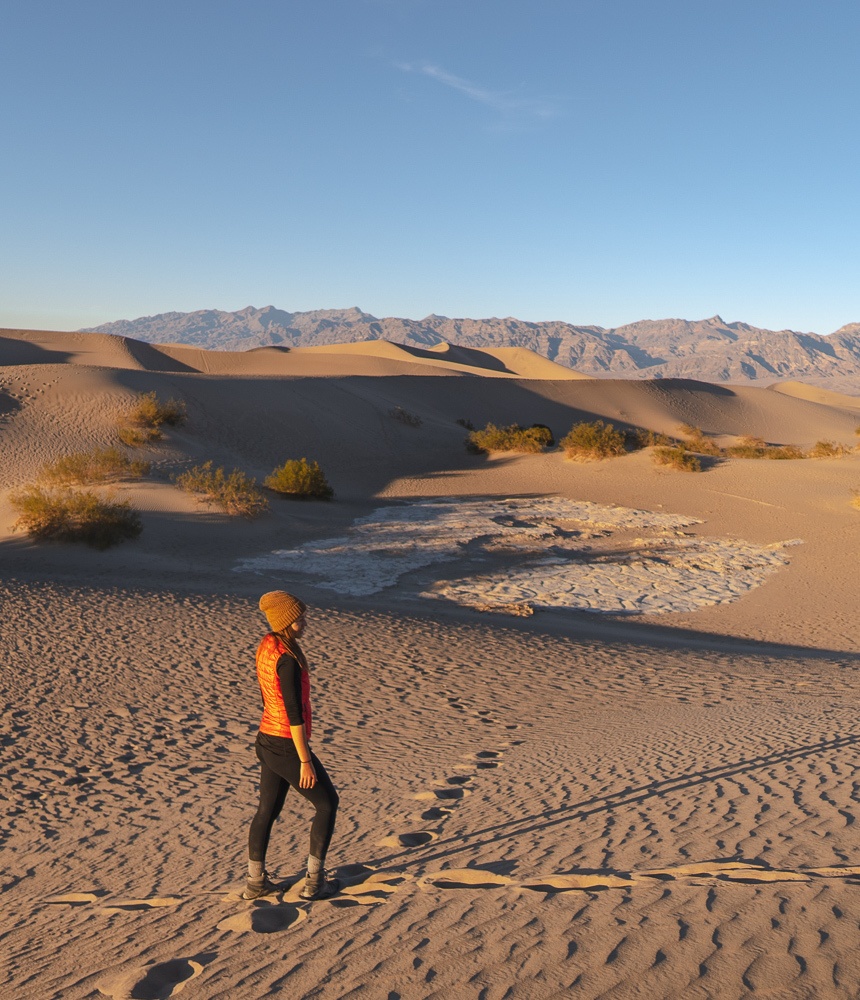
[(709, 349)]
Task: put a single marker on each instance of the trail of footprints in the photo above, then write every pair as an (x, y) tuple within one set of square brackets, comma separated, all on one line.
[(442, 800)]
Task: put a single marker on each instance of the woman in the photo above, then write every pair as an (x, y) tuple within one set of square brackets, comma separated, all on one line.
[(283, 748)]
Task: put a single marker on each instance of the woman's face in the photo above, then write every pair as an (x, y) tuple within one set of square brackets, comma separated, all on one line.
[(298, 626)]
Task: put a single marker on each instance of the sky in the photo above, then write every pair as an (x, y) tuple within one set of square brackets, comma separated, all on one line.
[(592, 161)]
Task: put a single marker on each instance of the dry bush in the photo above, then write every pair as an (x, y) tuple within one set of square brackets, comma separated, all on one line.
[(855, 499), (300, 478), (827, 449), (405, 417), (71, 516), (150, 411), (698, 442), (235, 493), (756, 447), (594, 440), (136, 437), (511, 438), (641, 437), (463, 422), (677, 457), (142, 423), (102, 465)]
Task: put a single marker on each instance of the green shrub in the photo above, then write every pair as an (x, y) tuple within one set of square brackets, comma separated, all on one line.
[(677, 457), (235, 494), (300, 478), (142, 423), (102, 465), (593, 440), (512, 438), (71, 516), (405, 417)]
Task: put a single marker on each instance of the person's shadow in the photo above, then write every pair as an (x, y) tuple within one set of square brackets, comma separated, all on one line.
[(606, 803)]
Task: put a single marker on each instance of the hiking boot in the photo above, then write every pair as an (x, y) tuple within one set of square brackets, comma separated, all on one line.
[(256, 887), (319, 886)]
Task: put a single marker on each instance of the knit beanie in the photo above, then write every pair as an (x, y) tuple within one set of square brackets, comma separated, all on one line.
[(281, 609)]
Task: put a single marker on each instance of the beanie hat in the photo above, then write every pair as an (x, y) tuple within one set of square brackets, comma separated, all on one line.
[(281, 609)]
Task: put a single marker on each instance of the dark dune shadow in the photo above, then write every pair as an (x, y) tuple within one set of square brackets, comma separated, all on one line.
[(25, 352), (150, 358), (458, 356), (8, 404)]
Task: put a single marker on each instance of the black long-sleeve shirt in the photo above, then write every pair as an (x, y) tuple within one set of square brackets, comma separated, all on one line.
[(290, 677)]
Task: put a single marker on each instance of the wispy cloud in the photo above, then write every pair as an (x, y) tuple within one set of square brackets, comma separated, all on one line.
[(509, 104)]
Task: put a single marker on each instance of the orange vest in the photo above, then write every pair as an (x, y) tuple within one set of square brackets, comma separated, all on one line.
[(275, 721)]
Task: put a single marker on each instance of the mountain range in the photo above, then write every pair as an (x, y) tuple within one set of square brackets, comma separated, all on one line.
[(710, 350)]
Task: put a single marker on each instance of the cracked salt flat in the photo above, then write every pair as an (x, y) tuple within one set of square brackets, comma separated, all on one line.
[(546, 552)]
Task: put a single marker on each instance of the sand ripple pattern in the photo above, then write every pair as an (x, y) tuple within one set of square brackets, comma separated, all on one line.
[(534, 552), (525, 814)]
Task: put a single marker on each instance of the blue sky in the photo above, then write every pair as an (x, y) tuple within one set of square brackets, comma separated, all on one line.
[(594, 161)]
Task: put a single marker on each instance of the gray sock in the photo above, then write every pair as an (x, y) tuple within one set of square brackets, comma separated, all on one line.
[(314, 864), (255, 870)]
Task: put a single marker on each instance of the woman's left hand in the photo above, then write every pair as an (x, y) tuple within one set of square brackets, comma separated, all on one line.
[(308, 776)]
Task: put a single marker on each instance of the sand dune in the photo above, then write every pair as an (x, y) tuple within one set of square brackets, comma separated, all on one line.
[(647, 801)]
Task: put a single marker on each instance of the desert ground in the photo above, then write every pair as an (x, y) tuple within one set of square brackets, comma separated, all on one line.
[(593, 724)]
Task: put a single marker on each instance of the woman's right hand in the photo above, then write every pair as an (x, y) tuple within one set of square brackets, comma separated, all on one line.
[(308, 776)]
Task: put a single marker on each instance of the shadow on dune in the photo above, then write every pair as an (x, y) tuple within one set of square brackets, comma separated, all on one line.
[(345, 423), (25, 352), (8, 404), (629, 796)]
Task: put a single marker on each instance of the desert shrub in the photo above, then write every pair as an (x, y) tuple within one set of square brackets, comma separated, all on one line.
[(150, 411), (405, 417), (102, 465), (756, 447), (593, 440), (72, 516), (641, 437), (300, 478), (470, 426), (677, 457), (827, 449), (855, 499), (698, 442), (142, 423), (235, 493), (545, 434), (136, 437), (511, 438), (784, 451)]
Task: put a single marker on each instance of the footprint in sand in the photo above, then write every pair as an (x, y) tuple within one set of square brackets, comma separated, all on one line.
[(364, 890), (140, 904), (264, 917), (86, 898), (77, 898), (704, 873), (158, 981), (446, 799)]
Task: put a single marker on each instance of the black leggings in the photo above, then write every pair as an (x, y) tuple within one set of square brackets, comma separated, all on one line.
[(280, 768)]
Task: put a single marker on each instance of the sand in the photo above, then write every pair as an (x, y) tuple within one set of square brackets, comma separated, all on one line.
[(556, 796)]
